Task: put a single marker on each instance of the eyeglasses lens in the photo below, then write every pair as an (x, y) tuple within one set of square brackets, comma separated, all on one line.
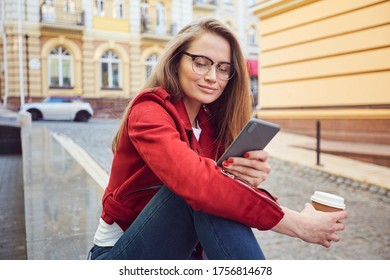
[(202, 65)]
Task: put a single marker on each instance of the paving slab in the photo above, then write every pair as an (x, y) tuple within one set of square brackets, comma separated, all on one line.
[(62, 202)]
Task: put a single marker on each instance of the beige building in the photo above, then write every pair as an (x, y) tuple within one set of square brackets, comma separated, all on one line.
[(328, 61), (102, 50)]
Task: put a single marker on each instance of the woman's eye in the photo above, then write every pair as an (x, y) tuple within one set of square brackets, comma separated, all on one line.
[(224, 69), (200, 64)]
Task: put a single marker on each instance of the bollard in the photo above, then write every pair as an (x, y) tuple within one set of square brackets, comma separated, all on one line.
[(318, 148), (24, 119)]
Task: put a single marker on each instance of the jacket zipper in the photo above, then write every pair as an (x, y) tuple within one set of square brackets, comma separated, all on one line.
[(244, 183)]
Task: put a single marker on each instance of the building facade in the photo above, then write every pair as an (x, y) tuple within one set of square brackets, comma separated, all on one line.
[(327, 61), (102, 50)]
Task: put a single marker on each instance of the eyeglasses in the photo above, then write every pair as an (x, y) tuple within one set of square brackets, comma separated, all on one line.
[(202, 64)]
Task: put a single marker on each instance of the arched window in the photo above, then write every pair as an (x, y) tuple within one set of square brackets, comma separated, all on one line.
[(150, 63), (60, 68), (110, 70), (160, 20)]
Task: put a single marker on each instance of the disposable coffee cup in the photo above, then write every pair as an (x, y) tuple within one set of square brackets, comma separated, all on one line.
[(327, 202)]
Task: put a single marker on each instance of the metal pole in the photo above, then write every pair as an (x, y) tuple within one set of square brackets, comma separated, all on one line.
[(318, 125), (20, 41), (27, 68), (5, 54)]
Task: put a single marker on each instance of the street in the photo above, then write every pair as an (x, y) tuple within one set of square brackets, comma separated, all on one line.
[(367, 236)]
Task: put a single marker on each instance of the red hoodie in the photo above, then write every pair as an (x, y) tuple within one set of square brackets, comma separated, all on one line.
[(157, 147)]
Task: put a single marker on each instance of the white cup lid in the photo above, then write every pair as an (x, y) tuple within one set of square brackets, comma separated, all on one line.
[(328, 199)]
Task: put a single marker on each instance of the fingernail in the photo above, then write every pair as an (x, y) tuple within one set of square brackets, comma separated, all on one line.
[(230, 160), (246, 155), (225, 163)]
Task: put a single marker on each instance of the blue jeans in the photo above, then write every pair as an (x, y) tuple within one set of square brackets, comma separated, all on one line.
[(167, 228)]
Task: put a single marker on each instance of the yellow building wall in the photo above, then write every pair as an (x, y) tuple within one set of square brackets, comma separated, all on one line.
[(321, 54), (111, 24)]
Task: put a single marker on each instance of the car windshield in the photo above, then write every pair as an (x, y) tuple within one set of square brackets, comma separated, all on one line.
[(53, 99), (59, 99)]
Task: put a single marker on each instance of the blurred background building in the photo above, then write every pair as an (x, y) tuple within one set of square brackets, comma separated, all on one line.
[(102, 50), (327, 61), (308, 60)]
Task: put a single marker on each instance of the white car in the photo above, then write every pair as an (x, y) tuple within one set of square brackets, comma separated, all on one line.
[(59, 108)]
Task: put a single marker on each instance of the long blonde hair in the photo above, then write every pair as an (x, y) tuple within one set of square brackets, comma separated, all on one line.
[(233, 108)]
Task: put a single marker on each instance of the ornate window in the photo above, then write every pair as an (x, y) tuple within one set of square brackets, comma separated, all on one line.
[(110, 70), (60, 68), (118, 9), (48, 11), (144, 15), (99, 8), (252, 36), (69, 6), (160, 20), (150, 63)]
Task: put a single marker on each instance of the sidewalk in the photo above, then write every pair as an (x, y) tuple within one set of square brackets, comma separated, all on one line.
[(6, 114), (63, 188), (61, 200), (289, 147)]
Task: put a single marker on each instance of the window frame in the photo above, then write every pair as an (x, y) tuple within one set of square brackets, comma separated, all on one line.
[(150, 64), (160, 18), (62, 55), (100, 8), (110, 58), (118, 9), (252, 36)]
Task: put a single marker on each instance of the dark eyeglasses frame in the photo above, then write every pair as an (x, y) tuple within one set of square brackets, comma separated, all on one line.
[(195, 56)]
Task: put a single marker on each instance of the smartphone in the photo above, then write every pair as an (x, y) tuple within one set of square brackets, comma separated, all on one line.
[(254, 136)]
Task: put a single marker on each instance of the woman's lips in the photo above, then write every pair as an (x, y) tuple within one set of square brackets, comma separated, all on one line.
[(207, 89)]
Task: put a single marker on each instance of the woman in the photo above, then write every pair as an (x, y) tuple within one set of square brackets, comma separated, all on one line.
[(166, 197)]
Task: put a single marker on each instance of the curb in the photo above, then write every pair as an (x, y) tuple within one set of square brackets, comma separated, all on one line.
[(83, 158)]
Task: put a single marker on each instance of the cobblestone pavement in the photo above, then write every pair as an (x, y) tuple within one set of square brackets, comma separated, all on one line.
[(367, 236)]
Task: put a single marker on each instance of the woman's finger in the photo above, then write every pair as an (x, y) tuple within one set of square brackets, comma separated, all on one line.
[(260, 155)]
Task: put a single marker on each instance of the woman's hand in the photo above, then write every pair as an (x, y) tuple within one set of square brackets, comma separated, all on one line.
[(321, 227), (312, 226), (252, 167)]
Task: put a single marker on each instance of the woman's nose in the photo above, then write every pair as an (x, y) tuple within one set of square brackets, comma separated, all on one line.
[(211, 75)]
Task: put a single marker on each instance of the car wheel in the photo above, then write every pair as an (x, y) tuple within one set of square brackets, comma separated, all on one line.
[(82, 116), (35, 115)]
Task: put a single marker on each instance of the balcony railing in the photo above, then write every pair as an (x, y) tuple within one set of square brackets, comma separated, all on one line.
[(150, 27), (205, 4), (61, 15)]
